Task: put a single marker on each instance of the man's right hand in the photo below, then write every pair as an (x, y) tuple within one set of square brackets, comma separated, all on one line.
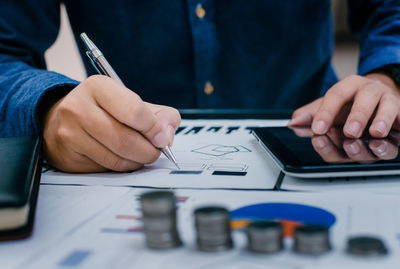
[(102, 125), (335, 147)]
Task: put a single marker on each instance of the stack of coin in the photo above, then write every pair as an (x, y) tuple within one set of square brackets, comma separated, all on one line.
[(311, 239), (265, 236), (366, 246), (159, 220), (213, 229)]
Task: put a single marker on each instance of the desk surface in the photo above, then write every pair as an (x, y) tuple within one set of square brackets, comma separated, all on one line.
[(80, 225)]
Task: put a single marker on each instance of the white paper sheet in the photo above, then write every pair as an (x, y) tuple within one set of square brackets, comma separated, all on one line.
[(205, 145), (375, 184), (60, 211), (112, 238)]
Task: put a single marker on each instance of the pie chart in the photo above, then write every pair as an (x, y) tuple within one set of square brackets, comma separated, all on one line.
[(291, 215)]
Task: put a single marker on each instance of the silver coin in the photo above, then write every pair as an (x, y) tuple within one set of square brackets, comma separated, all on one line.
[(213, 229), (265, 236), (311, 240), (366, 246), (159, 220)]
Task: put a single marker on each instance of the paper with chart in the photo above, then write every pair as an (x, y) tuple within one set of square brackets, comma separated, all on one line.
[(211, 154), (112, 237), (60, 211)]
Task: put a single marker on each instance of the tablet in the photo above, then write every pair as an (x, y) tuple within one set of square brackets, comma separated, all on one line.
[(301, 154)]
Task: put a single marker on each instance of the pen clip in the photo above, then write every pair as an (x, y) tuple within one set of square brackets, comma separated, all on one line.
[(93, 61)]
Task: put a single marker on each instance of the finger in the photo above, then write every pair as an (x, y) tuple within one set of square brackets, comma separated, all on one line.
[(304, 115), (327, 150), (69, 161), (385, 116), (168, 117), (365, 102), (383, 149), (120, 139), (78, 152), (170, 129), (341, 118), (169, 114), (394, 137), (302, 132), (83, 164), (357, 151), (396, 124), (333, 101), (127, 107), (98, 153), (336, 136)]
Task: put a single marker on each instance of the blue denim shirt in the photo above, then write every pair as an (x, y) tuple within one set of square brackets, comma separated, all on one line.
[(190, 53)]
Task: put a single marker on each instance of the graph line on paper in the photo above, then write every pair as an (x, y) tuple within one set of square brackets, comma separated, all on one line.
[(231, 167)]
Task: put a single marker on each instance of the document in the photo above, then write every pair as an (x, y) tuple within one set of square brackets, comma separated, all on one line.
[(374, 184), (111, 236), (61, 210), (211, 153)]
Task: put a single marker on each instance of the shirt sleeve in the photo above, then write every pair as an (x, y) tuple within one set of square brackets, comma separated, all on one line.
[(27, 29), (376, 24)]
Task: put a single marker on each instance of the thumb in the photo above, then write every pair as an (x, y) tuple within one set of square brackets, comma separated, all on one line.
[(304, 115), (168, 119)]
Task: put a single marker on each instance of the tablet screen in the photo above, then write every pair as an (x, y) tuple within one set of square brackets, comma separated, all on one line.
[(297, 149)]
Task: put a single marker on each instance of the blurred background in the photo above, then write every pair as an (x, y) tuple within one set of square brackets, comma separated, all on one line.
[(64, 50)]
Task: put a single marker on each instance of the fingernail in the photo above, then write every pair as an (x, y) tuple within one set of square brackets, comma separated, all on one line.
[(354, 148), (380, 126), (319, 127), (171, 132), (354, 128), (161, 139), (320, 142), (379, 147), (382, 149)]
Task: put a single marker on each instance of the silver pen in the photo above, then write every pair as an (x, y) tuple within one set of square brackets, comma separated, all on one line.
[(104, 68)]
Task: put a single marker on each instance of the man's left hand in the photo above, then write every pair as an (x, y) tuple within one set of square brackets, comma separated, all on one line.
[(355, 102)]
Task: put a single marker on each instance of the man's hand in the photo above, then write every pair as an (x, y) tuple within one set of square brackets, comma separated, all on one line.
[(355, 102), (101, 125)]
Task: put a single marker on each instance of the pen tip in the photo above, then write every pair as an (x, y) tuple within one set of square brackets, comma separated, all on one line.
[(177, 166)]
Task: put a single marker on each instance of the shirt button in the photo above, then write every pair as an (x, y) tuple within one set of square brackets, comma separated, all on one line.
[(200, 11), (208, 88)]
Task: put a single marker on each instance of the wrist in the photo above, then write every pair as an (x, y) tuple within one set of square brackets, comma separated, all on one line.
[(384, 78), (388, 74), (48, 100)]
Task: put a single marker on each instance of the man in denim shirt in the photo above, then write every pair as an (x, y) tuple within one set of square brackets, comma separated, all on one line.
[(189, 54)]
